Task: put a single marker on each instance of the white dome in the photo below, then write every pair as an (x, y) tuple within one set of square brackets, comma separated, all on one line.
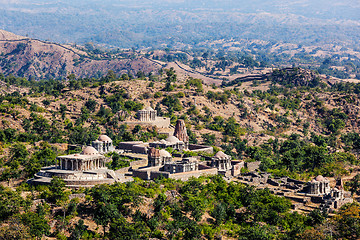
[(320, 178), (89, 151), (104, 138), (172, 139), (164, 153), (149, 109), (221, 155)]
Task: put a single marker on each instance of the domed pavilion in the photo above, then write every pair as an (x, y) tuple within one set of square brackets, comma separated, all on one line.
[(84, 169)]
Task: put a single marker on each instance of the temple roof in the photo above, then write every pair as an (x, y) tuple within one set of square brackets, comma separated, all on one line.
[(164, 153), (104, 138), (221, 155), (89, 151), (148, 109), (172, 139)]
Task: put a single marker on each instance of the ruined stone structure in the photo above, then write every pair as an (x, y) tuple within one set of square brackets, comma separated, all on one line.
[(181, 133), (134, 147), (103, 144), (147, 115), (319, 186), (158, 157), (304, 194), (84, 169), (171, 141), (221, 161), (337, 197), (186, 165)]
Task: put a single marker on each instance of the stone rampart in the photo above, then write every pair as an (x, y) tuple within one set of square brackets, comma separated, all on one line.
[(123, 170), (89, 182), (295, 181), (236, 168), (186, 175), (144, 173), (201, 148), (128, 146), (138, 163), (160, 122), (252, 166), (156, 174)]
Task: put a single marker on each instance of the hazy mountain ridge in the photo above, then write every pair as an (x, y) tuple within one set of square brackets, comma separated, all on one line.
[(151, 24)]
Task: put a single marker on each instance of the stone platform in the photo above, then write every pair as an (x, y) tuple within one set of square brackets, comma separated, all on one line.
[(75, 178)]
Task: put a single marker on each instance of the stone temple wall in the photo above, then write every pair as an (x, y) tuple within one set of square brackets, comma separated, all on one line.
[(201, 148), (123, 170), (252, 166), (186, 175), (160, 122), (156, 174), (145, 172), (236, 168), (139, 163)]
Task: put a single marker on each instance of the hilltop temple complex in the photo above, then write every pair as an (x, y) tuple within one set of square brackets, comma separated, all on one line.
[(152, 160)]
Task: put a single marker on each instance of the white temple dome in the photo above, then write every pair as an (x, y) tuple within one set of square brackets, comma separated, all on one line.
[(164, 153), (221, 155), (320, 178), (172, 139), (104, 138), (89, 151), (149, 109)]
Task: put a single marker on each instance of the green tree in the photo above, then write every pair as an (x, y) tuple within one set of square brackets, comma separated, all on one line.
[(38, 225), (10, 203), (78, 231), (347, 221), (91, 105), (354, 184)]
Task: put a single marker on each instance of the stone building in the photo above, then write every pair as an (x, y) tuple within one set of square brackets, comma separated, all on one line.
[(319, 186), (85, 169), (134, 147), (221, 161), (103, 144), (171, 141), (185, 165), (158, 157), (88, 159), (147, 115), (181, 133)]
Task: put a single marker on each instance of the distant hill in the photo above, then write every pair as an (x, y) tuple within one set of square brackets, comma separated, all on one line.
[(5, 36), (26, 57), (183, 23)]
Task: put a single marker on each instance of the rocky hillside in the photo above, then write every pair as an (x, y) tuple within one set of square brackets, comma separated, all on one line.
[(282, 103), (27, 57)]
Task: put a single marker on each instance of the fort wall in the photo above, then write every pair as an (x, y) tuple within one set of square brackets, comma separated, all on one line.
[(139, 163), (201, 148), (252, 166), (186, 175), (160, 122)]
